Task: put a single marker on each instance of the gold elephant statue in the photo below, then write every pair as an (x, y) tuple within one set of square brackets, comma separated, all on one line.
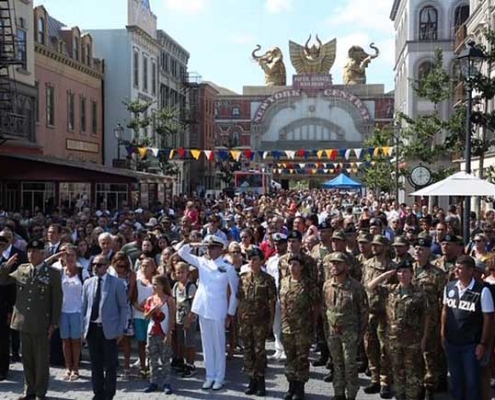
[(358, 61), (272, 63)]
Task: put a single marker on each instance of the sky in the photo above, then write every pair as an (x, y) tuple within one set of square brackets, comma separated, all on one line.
[(221, 34)]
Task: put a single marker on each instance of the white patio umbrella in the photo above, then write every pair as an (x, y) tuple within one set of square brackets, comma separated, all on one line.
[(459, 184)]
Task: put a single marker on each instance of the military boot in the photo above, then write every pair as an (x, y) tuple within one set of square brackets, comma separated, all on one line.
[(328, 377), (385, 392), (260, 386), (322, 360), (251, 389), (372, 388), (299, 391), (290, 392)]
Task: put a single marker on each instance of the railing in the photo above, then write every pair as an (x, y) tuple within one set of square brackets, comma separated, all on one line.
[(15, 126)]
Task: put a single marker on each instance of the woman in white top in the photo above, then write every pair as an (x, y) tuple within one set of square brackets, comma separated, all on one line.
[(144, 289), (73, 276)]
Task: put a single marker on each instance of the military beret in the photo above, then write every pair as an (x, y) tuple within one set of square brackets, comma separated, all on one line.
[(35, 244), (255, 252), (380, 240), (324, 226), (452, 239), (365, 237), (295, 257), (3, 240), (279, 237), (295, 235), (400, 241), (337, 256), (212, 240), (412, 229), (339, 235), (424, 241), (404, 264), (376, 222)]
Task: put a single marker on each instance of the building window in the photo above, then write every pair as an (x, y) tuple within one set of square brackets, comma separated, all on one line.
[(41, 30), (83, 114), (234, 139), (50, 105), (460, 16), (74, 194), (136, 69), (37, 86), (423, 71), (38, 195), (75, 48), (94, 117), (236, 111), (71, 111), (428, 23), (21, 46), (153, 77), (112, 194), (145, 73), (88, 55)]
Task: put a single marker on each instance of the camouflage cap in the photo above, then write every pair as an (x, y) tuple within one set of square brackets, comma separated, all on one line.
[(339, 235), (337, 256), (365, 237), (400, 241), (380, 240)]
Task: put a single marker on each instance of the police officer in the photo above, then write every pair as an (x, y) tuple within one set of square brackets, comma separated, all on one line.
[(346, 306), (256, 309), (432, 281), (299, 300), (379, 363), (407, 326), (36, 315)]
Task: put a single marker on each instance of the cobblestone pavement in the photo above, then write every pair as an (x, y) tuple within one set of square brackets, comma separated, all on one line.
[(183, 388)]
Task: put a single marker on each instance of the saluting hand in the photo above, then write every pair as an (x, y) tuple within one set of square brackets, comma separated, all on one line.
[(11, 261)]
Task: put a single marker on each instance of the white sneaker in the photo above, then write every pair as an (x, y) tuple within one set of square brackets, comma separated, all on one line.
[(136, 364), (207, 385), (217, 385), (282, 357), (275, 356)]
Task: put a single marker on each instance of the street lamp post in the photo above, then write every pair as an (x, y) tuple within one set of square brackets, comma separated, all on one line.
[(118, 131), (471, 61)]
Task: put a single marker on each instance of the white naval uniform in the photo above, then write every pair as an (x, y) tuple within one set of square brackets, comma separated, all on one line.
[(211, 305), (272, 269)]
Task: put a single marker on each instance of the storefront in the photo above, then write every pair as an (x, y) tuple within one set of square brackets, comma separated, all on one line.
[(41, 183)]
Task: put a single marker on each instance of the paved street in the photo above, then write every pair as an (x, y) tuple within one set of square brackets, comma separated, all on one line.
[(183, 388)]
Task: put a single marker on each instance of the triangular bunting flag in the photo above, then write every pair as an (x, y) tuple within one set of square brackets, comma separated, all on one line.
[(358, 153), (320, 153), (210, 156), (348, 154), (196, 154), (236, 154), (248, 154), (290, 154), (342, 153), (142, 151), (154, 151), (328, 152)]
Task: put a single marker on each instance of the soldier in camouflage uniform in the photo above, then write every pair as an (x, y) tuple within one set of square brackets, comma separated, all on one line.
[(256, 309), (310, 270), (452, 247), (401, 250), (339, 243), (300, 302), (319, 252), (346, 305), (407, 324), (374, 340), (364, 244), (432, 281)]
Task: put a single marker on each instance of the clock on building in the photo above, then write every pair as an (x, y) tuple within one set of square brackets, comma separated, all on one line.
[(420, 176)]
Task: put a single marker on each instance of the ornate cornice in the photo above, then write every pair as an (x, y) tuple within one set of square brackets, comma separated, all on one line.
[(64, 59)]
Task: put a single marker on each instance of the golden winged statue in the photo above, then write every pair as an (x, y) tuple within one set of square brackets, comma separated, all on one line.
[(315, 59)]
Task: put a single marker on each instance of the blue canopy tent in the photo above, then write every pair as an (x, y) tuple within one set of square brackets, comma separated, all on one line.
[(342, 182)]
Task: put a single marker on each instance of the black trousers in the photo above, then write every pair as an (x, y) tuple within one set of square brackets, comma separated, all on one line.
[(15, 341), (4, 344), (104, 356)]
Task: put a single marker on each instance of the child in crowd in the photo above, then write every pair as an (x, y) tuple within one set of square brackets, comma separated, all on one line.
[(185, 328), (160, 309)]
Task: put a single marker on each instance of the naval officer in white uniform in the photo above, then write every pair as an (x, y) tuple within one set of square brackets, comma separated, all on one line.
[(210, 303)]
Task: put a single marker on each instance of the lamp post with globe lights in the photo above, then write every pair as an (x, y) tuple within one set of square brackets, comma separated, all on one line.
[(118, 131)]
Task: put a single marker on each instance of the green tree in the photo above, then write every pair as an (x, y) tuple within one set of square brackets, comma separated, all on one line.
[(163, 123)]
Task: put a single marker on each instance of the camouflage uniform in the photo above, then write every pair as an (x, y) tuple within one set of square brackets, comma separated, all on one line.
[(406, 315), (347, 316), (432, 281), (374, 340), (447, 266), (257, 296), (319, 252), (298, 300), (408, 258)]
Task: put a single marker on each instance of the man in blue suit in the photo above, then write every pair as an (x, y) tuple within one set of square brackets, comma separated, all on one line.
[(104, 313)]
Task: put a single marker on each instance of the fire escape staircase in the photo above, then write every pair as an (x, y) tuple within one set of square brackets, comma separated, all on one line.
[(11, 123)]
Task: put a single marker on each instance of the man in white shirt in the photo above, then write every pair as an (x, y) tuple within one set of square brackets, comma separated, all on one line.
[(215, 311), (272, 268)]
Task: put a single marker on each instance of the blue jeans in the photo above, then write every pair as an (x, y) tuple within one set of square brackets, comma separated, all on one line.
[(465, 371)]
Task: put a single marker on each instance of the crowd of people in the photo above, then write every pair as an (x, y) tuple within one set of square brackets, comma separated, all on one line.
[(366, 284)]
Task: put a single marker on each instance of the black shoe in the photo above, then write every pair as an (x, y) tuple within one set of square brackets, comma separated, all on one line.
[(288, 395), (189, 370), (298, 391), (320, 362), (261, 388), (362, 367), (429, 394), (328, 377), (252, 386), (339, 397), (151, 388), (15, 358), (372, 388), (385, 392), (3, 377), (367, 372)]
